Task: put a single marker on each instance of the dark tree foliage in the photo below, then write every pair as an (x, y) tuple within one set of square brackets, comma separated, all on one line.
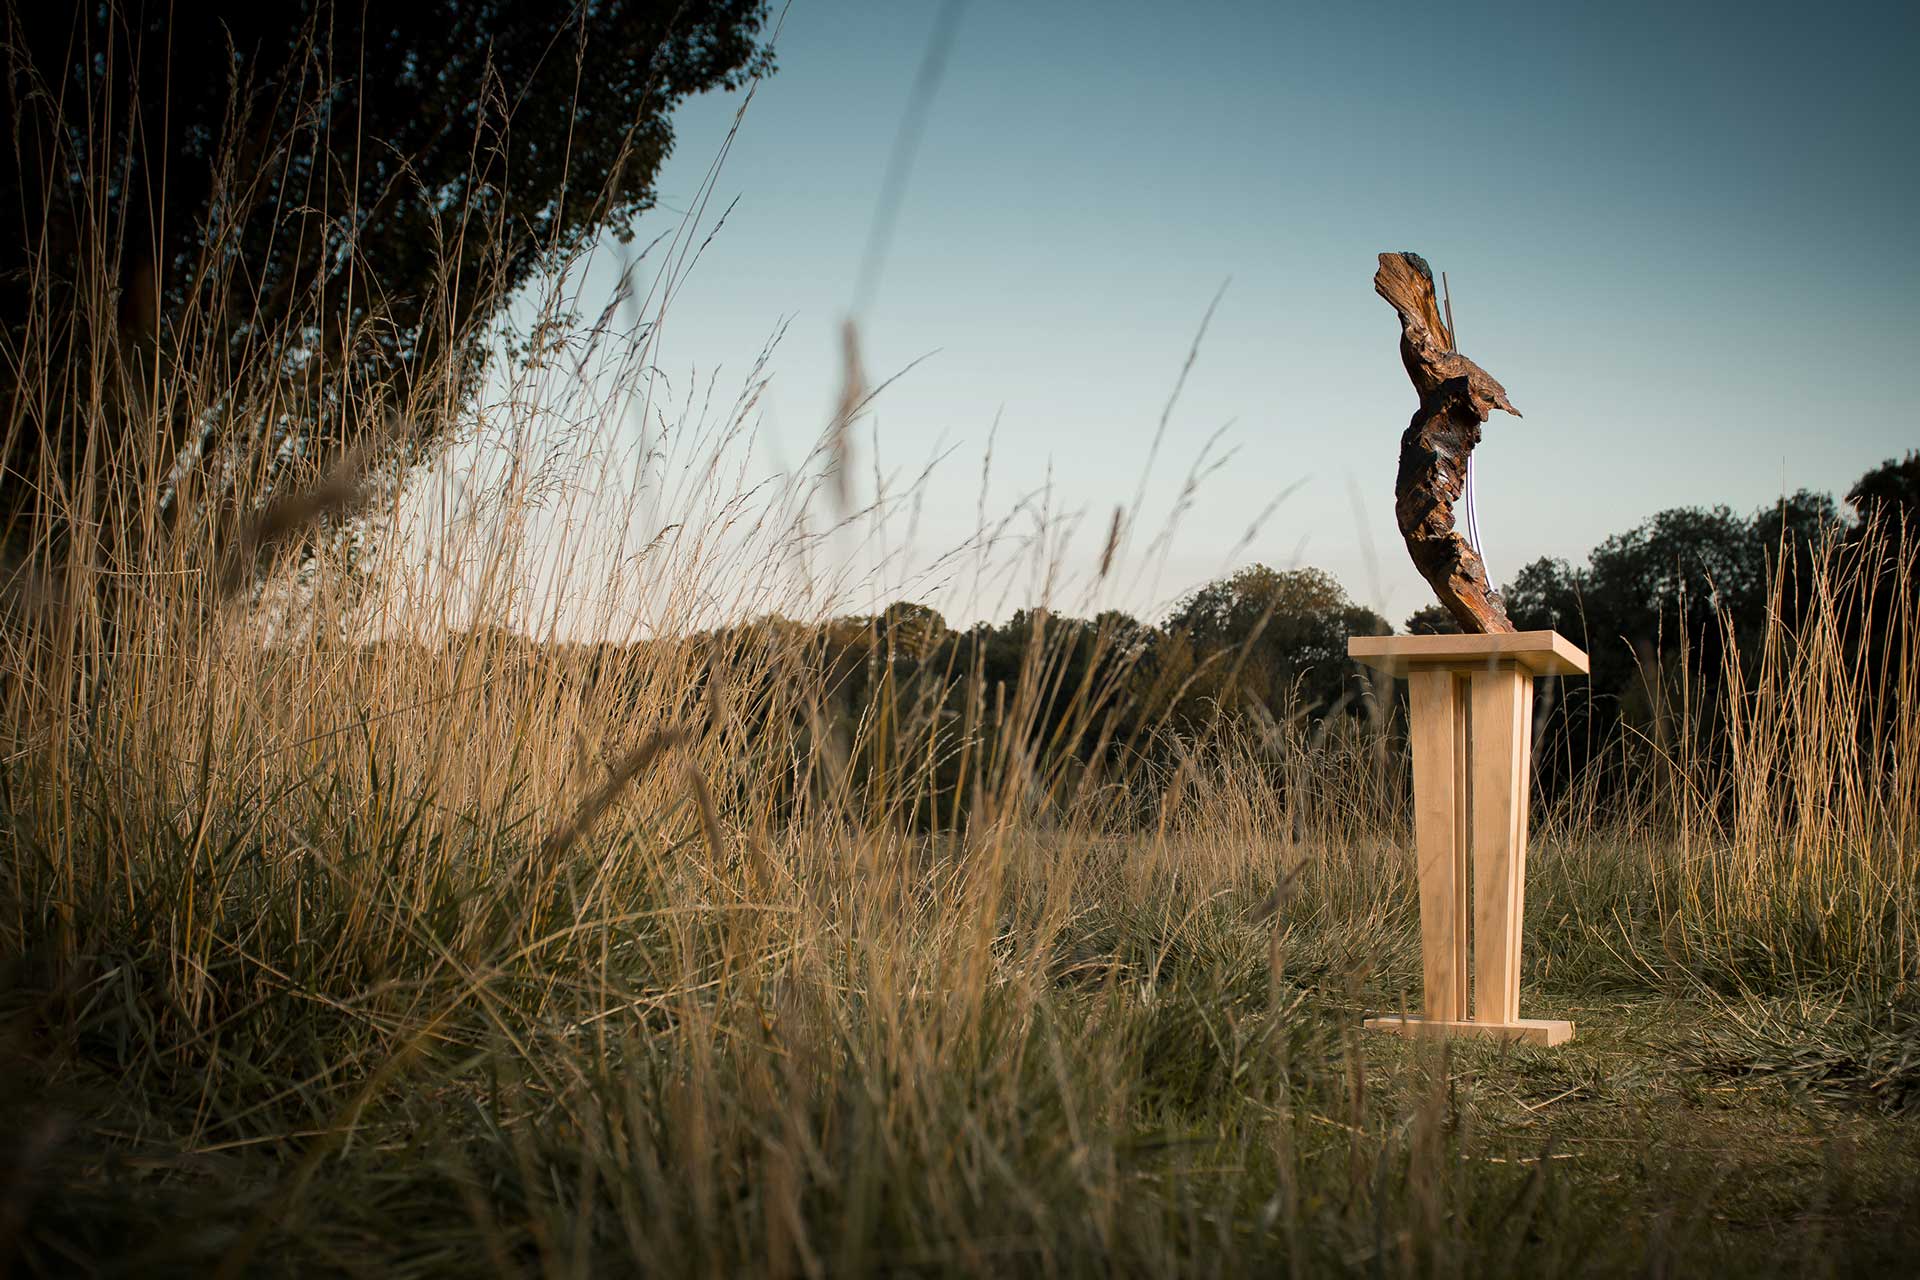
[(1079, 701), (1891, 488), (318, 184), (1288, 630), (1546, 595), (1789, 535), (1677, 570), (1661, 594), (909, 629), (1889, 495), (1432, 620), (1668, 580)]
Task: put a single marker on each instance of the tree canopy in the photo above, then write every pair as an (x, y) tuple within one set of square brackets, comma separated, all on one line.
[(1293, 625), (1892, 488), (298, 186)]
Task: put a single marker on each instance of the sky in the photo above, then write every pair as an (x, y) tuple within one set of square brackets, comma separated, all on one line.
[(1682, 235)]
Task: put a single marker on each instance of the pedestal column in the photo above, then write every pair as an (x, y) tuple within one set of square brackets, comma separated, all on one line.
[(1471, 723)]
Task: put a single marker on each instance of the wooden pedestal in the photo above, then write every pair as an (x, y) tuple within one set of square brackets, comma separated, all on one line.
[(1471, 702)]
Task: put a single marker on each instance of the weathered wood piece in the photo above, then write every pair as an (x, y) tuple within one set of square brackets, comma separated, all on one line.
[(1456, 396)]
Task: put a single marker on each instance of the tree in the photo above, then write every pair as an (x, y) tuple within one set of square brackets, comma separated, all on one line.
[(1548, 595), (1887, 542), (315, 205), (1660, 594), (1433, 620), (1890, 489), (1680, 567), (1282, 626), (1790, 535), (909, 630)]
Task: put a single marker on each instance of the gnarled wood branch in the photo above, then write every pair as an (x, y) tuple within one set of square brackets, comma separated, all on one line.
[(1456, 396)]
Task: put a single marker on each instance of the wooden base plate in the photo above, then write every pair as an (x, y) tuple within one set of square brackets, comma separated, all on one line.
[(1541, 1031)]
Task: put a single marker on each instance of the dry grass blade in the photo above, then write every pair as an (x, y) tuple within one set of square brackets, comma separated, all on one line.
[(28, 593), (1112, 545), (709, 816), (341, 490), (1282, 894), (853, 394), (595, 805)]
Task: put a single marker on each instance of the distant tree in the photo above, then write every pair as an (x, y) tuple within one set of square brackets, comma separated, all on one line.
[(910, 630), (1891, 488), (1284, 628), (1677, 569), (1789, 535), (273, 188), (1433, 620), (1547, 595), (1662, 594), (1123, 633), (1680, 569), (1802, 516), (1887, 498)]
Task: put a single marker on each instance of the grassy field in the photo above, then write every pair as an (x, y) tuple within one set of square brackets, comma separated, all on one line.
[(344, 932), (530, 985), (879, 1064)]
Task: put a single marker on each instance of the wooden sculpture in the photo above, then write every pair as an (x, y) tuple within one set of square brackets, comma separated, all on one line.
[(1456, 396), (1471, 703)]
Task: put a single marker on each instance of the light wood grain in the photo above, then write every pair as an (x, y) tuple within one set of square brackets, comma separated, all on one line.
[(1540, 1031), (1541, 653), (1471, 713), (1439, 756), (1462, 832), (1502, 701)]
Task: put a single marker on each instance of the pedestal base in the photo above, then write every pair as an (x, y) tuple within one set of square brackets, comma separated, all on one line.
[(1541, 1031)]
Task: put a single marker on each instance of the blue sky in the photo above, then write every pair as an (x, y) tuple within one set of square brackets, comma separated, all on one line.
[(1681, 235)]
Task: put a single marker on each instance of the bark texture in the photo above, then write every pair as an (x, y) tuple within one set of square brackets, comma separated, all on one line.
[(1456, 396)]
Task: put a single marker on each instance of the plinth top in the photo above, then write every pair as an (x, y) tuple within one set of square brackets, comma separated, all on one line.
[(1541, 653)]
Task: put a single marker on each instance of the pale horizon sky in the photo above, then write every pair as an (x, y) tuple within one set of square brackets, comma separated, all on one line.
[(1678, 234)]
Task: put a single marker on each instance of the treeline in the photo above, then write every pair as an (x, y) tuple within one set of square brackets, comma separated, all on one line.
[(1658, 606), (899, 716), (901, 712)]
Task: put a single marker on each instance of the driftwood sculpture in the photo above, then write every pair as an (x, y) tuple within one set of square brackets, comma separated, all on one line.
[(1456, 396)]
